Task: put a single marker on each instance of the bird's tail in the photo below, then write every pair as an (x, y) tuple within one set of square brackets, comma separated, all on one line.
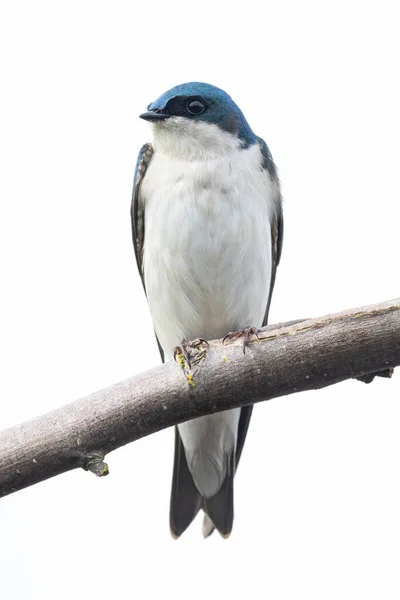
[(186, 500)]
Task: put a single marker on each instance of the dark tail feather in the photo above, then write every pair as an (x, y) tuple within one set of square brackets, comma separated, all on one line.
[(185, 498), (219, 508)]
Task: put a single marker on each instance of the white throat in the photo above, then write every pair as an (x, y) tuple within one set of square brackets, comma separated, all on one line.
[(192, 140)]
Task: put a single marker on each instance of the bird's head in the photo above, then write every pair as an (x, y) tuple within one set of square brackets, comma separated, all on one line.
[(197, 118)]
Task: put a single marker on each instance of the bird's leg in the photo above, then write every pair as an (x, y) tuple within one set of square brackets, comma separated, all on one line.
[(191, 351), (246, 333)]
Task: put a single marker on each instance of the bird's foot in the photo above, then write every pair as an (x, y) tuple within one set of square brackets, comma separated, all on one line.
[(181, 354), (199, 350), (190, 351), (246, 333)]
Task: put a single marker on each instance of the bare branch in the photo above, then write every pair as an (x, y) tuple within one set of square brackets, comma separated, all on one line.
[(305, 355)]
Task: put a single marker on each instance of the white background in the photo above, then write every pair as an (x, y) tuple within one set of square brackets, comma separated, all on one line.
[(317, 491)]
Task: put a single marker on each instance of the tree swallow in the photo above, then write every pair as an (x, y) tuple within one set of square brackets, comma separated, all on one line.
[(207, 232)]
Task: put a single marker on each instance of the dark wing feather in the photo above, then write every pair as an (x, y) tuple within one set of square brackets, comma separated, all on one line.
[(244, 421), (137, 214), (186, 501), (276, 221), (277, 240), (137, 211)]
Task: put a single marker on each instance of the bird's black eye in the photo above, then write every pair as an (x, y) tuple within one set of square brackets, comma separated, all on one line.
[(196, 106)]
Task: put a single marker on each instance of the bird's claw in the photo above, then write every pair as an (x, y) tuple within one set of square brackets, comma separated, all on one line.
[(184, 352), (181, 353), (246, 333), (198, 342)]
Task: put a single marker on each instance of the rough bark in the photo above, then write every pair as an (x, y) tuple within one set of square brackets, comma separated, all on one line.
[(299, 356)]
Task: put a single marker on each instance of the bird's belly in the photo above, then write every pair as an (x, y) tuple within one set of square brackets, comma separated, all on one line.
[(207, 262)]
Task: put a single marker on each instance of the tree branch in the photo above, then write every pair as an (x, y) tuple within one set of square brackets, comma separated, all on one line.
[(299, 356)]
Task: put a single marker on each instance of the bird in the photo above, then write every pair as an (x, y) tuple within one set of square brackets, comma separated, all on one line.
[(207, 226)]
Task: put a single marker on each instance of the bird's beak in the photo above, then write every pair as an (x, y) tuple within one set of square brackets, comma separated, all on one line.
[(152, 115)]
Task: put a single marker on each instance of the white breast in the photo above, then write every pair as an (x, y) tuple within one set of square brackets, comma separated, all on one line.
[(207, 249)]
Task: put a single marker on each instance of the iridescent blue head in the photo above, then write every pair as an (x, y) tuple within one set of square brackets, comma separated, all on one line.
[(205, 103)]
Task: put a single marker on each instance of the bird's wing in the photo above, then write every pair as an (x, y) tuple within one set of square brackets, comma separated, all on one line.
[(137, 209), (137, 213), (276, 223), (277, 241)]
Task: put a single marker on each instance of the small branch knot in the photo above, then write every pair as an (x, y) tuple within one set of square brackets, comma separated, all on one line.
[(94, 462), (371, 376)]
